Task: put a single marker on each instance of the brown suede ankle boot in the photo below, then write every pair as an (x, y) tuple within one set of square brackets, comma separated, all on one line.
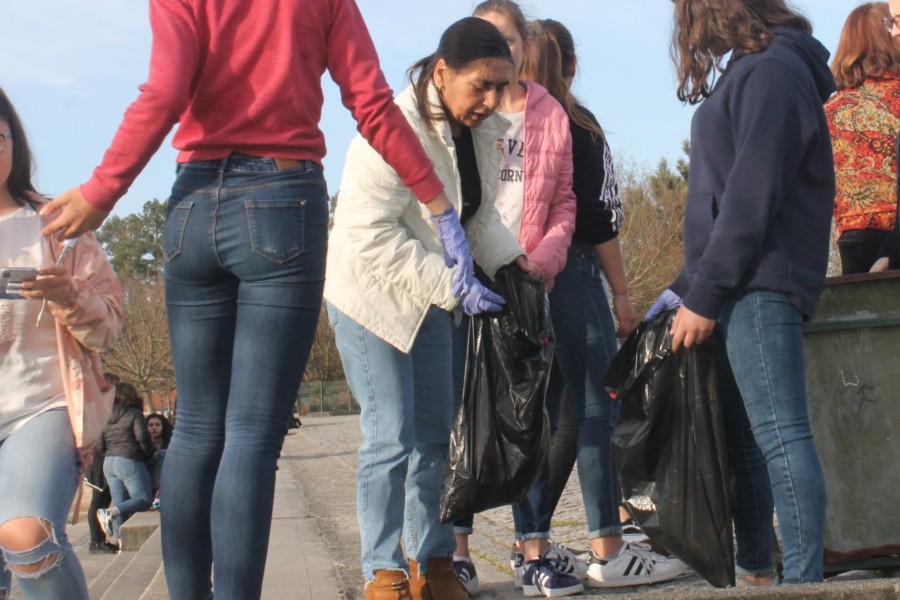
[(388, 585), (439, 582)]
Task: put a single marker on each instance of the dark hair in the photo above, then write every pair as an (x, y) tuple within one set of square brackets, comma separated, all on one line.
[(465, 41), (19, 182), (706, 30), (166, 427), (865, 51), (127, 395), (111, 378), (551, 56)]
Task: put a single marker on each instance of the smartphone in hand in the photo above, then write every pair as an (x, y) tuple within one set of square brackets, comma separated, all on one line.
[(11, 278)]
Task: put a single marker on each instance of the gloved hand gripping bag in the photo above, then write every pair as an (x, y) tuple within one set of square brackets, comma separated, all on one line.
[(669, 446), (500, 437)]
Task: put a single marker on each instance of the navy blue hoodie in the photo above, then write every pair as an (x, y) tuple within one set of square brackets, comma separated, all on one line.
[(761, 186)]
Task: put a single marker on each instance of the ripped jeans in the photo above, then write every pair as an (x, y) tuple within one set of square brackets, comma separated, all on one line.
[(39, 473)]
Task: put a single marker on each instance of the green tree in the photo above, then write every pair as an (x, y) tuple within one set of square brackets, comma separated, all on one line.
[(134, 242)]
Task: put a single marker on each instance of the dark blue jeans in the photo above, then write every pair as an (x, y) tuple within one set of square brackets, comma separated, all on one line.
[(585, 345), (245, 262), (769, 440)]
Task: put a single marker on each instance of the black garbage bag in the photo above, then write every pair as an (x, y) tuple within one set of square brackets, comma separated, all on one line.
[(500, 437), (669, 445)]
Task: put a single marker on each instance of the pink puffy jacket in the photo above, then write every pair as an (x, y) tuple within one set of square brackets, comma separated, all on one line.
[(548, 209)]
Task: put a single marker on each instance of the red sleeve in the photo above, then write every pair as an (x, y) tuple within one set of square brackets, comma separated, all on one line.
[(173, 61), (353, 64)]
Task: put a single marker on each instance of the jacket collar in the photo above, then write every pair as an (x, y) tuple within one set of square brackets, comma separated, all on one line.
[(492, 128)]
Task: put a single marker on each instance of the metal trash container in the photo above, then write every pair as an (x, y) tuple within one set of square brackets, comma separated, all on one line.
[(852, 352)]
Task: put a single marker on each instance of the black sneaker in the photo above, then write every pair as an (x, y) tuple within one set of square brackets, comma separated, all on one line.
[(102, 548)]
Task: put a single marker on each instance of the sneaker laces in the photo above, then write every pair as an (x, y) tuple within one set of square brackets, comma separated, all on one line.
[(564, 559), (644, 553)]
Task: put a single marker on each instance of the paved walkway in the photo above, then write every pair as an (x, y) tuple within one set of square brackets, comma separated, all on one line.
[(322, 458), (314, 547)]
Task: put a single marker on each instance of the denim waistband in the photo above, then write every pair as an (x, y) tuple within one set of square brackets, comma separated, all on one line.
[(247, 163)]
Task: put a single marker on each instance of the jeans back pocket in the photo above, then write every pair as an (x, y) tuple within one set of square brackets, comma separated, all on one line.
[(173, 232), (276, 228)]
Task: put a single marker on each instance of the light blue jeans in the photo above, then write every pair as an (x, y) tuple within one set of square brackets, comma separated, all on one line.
[(769, 439), (245, 264), (129, 486), (39, 473), (407, 410)]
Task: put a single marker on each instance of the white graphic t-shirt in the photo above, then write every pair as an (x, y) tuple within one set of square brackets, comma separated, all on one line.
[(511, 189), (29, 358)]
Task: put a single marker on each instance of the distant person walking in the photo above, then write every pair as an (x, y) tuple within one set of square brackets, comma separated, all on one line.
[(126, 443), (756, 233), (244, 247)]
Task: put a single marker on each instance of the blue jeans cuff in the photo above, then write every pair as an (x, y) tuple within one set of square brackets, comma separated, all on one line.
[(605, 532), (765, 572)]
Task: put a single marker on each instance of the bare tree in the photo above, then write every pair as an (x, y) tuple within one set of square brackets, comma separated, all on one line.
[(653, 232), (142, 354)]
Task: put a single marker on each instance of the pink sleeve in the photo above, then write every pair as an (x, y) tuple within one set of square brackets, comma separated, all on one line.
[(353, 64), (93, 314), (550, 255), (173, 62)]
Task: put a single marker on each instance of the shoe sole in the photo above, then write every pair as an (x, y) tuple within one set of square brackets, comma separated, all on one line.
[(631, 581), (532, 591)]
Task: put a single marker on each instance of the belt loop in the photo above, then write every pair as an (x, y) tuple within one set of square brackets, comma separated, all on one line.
[(223, 164)]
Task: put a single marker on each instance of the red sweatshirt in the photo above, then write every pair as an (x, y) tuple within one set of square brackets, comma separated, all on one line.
[(245, 77)]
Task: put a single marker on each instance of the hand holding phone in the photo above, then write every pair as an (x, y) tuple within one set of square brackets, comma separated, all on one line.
[(11, 278)]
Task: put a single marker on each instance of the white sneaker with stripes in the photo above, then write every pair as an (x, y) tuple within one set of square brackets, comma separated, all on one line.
[(635, 564)]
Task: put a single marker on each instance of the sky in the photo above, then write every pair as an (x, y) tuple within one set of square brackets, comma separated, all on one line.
[(72, 68)]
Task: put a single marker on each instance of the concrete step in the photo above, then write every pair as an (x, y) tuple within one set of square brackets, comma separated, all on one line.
[(141, 570), (138, 529)]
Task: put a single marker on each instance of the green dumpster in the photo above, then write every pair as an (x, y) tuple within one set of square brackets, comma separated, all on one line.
[(852, 352)]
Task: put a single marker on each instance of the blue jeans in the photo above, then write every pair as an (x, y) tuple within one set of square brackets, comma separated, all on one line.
[(407, 410), (39, 473), (585, 346), (244, 245), (129, 486), (769, 440)]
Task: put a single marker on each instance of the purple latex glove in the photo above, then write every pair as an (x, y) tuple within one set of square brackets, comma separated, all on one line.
[(478, 299), (456, 249), (666, 301)]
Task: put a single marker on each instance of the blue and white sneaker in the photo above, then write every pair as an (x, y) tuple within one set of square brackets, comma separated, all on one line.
[(465, 572), (542, 580), (107, 524), (565, 561)]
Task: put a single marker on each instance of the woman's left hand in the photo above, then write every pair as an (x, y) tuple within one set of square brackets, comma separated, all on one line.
[(53, 283), (689, 328)]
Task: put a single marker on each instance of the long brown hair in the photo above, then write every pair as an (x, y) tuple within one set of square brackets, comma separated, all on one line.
[(550, 60), (467, 40), (706, 30), (865, 50), (19, 182), (509, 9)]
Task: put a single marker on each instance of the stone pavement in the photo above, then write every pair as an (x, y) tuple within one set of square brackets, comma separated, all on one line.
[(314, 546), (322, 458)]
